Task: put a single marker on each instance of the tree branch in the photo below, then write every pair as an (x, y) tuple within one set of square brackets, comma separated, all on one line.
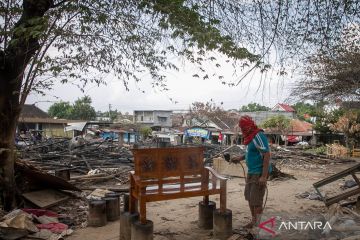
[(32, 73), (53, 5)]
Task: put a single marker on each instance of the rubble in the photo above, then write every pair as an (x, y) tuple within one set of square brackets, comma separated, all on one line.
[(90, 155), (311, 195), (300, 159), (344, 222), (45, 198), (98, 167), (85, 165)]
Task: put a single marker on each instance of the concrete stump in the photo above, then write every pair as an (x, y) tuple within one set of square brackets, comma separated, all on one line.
[(206, 212), (142, 231), (112, 208), (126, 198), (126, 220), (97, 213), (222, 224)]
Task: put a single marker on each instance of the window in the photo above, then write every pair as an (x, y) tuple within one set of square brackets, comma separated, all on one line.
[(162, 119)]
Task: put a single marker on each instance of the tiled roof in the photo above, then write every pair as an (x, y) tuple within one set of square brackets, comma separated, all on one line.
[(297, 125), (286, 107), (297, 128)]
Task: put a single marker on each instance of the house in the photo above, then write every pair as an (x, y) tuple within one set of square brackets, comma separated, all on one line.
[(124, 133), (298, 131), (33, 118), (282, 107), (103, 119), (214, 129), (156, 119), (260, 116)]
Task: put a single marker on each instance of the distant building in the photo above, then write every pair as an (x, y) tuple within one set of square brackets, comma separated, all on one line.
[(260, 117), (33, 118), (153, 118), (282, 107), (102, 119)]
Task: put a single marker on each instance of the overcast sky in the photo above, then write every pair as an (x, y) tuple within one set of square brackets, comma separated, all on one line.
[(266, 89)]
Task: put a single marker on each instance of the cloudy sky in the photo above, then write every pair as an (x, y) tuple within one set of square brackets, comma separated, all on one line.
[(266, 89)]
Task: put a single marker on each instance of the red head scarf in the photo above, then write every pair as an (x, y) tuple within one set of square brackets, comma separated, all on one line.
[(248, 128)]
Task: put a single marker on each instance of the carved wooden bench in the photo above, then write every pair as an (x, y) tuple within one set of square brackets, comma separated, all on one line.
[(172, 173)]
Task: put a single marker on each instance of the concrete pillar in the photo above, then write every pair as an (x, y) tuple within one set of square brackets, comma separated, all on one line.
[(112, 208), (206, 215), (222, 224), (126, 198), (126, 201), (142, 231), (126, 220), (97, 213), (115, 206)]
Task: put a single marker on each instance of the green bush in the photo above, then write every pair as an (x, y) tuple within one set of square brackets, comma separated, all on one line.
[(318, 150)]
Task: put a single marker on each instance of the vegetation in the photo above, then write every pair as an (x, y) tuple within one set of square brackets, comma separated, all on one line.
[(334, 74), (206, 112), (61, 110), (80, 110), (349, 125), (319, 150), (303, 110), (145, 132), (254, 107), (325, 117), (279, 124)]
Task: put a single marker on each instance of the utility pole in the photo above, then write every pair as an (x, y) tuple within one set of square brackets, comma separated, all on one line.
[(109, 112)]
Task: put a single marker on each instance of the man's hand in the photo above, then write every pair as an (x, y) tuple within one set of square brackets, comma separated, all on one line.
[(263, 180)]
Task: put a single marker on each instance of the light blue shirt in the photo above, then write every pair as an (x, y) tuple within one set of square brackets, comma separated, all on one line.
[(254, 153)]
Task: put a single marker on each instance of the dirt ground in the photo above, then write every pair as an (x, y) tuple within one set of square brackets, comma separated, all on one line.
[(177, 219)]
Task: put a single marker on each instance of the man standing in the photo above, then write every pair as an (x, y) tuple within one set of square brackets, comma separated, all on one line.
[(257, 158)]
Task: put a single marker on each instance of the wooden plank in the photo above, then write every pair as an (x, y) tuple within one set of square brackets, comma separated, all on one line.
[(45, 198), (165, 181), (337, 176), (340, 197), (356, 179), (162, 197)]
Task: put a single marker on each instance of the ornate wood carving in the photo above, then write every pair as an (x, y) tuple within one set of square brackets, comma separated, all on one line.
[(192, 163), (147, 164), (170, 163)]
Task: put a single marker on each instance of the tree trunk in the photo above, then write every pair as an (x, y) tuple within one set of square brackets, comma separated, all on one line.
[(14, 60), (10, 80), (7, 155)]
